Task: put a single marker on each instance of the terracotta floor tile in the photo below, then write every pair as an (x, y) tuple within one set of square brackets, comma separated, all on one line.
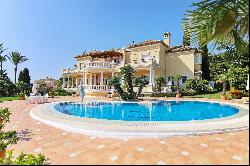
[(54, 144)]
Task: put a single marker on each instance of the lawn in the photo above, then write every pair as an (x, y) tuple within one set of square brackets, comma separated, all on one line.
[(9, 98), (209, 96)]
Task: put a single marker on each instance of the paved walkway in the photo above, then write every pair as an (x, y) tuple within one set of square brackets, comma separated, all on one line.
[(69, 148)]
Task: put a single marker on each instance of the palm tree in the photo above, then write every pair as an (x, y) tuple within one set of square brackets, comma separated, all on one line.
[(223, 22), (127, 72), (16, 58), (159, 82), (176, 79), (2, 57), (222, 78), (141, 82)]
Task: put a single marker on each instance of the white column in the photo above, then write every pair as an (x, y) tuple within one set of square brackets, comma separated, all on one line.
[(151, 76), (95, 79), (113, 74), (101, 81), (63, 85), (85, 79), (90, 79)]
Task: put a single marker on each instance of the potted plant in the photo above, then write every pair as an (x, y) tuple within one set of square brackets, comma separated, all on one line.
[(7, 138), (109, 94), (21, 96), (159, 82), (4, 117), (176, 79), (222, 78), (73, 94)]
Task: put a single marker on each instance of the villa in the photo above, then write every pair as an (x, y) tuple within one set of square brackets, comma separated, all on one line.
[(152, 58)]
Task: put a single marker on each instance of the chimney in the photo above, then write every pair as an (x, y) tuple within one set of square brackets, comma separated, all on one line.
[(167, 38)]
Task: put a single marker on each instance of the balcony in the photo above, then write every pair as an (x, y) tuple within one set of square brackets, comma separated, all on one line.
[(99, 65)]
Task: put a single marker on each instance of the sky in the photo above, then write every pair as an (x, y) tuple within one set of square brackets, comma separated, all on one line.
[(51, 32)]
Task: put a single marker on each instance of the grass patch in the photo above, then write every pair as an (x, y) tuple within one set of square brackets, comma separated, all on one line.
[(210, 96), (9, 98)]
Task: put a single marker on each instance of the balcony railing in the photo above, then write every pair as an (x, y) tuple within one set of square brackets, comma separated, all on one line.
[(93, 65), (91, 88), (97, 64)]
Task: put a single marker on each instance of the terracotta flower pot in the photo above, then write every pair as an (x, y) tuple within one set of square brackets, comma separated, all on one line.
[(2, 154), (21, 97), (178, 96), (223, 97)]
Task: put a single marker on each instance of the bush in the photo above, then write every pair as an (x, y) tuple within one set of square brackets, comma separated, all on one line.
[(183, 93), (200, 86), (7, 138), (61, 92), (4, 117), (238, 94), (128, 96), (23, 159), (238, 77)]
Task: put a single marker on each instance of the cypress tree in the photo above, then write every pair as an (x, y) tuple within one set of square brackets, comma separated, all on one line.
[(205, 63)]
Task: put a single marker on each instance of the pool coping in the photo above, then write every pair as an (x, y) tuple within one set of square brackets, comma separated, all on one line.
[(154, 129)]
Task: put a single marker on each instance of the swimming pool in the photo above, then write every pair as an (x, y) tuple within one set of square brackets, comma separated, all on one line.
[(148, 111)]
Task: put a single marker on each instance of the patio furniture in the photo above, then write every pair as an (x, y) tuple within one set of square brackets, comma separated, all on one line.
[(37, 99)]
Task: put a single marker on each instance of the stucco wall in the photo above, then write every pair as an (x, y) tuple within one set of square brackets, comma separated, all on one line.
[(180, 63), (135, 54)]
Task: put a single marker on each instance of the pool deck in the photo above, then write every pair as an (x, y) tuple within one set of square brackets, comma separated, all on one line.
[(63, 147)]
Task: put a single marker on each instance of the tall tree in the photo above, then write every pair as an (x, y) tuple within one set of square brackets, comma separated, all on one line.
[(220, 22), (16, 58), (24, 76), (7, 88), (186, 35), (2, 57), (205, 63), (127, 72)]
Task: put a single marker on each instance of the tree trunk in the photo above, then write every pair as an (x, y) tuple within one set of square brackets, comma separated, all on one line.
[(1, 66), (139, 91), (177, 87), (224, 88), (119, 90), (130, 85), (15, 73)]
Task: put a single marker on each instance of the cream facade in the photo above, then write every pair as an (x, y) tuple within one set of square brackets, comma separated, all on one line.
[(152, 58)]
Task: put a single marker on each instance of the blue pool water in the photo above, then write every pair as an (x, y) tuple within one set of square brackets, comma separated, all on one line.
[(155, 111)]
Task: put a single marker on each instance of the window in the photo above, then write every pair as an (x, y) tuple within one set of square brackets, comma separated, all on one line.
[(198, 59), (145, 56), (184, 79)]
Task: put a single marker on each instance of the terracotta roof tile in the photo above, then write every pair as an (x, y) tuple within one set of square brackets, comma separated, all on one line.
[(182, 48), (146, 42), (96, 53)]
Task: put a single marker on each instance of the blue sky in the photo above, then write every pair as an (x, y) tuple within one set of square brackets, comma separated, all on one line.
[(51, 32)]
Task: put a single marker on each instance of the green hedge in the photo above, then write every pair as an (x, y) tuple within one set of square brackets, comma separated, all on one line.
[(173, 94)]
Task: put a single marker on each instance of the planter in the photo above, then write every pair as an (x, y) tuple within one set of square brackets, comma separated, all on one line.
[(178, 96), (21, 97), (2, 154), (223, 97), (109, 95)]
